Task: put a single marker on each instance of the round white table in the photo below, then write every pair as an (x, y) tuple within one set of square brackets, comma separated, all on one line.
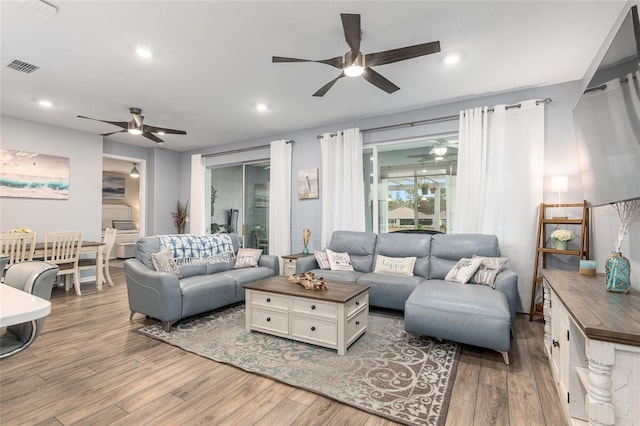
[(17, 307)]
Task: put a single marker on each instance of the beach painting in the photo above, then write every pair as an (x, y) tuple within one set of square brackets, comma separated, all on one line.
[(112, 188), (31, 175), (307, 184)]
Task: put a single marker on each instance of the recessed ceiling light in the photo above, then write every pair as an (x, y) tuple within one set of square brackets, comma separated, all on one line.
[(261, 107), (45, 103), (451, 59), (144, 52)]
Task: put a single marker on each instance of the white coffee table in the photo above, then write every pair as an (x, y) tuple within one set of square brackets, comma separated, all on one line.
[(334, 318), (17, 307)]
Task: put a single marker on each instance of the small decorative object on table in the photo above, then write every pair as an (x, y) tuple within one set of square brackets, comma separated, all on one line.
[(308, 281), (180, 215), (587, 267), (306, 235), (617, 269), (562, 238), (21, 230)]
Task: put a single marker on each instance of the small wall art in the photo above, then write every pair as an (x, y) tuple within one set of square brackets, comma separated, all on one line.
[(113, 188), (31, 175), (308, 184)]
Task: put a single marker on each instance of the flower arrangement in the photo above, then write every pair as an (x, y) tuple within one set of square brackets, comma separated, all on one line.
[(180, 215), (21, 230), (629, 213), (562, 235)]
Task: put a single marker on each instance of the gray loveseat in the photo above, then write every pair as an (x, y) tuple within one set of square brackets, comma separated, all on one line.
[(467, 313), (202, 288)]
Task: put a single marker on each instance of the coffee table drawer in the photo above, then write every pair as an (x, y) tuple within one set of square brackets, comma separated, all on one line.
[(313, 329), (312, 307), (269, 300), (357, 303), (356, 325), (270, 320)]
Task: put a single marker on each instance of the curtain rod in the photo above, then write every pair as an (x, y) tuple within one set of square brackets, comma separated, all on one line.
[(434, 120), (235, 151), (604, 86)]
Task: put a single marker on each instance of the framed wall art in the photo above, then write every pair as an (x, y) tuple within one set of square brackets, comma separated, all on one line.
[(31, 175), (308, 184)]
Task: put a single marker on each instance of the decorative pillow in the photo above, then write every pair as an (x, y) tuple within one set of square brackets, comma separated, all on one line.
[(395, 265), (322, 259), (163, 262), (339, 261), (464, 270), (247, 258), (488, 270)]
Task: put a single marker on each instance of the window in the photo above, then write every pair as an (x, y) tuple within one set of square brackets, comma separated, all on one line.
[(411, 184)]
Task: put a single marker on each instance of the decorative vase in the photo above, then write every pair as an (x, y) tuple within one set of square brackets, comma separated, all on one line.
[(562, 245), (305, 250), (617, 271), (180, 228)]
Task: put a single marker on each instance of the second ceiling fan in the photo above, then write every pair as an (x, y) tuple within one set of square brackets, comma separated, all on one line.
[(355, 63)]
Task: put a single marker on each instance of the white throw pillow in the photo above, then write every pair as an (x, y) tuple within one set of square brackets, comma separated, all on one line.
[(339, 261), (463, 270), (322, 259), (395, 265), (163, 262), (488, 270), (247, 258)]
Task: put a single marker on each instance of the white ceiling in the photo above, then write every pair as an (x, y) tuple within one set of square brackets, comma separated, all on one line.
[(212, 60)]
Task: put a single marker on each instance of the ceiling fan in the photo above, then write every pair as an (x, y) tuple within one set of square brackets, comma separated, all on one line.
[(438, 151), (354, 63), (135, 126)]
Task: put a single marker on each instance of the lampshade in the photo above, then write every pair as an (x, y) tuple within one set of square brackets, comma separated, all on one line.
[(134, 172), (559, 183)]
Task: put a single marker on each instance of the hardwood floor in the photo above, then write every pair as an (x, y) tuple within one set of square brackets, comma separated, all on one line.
[(88, 367)]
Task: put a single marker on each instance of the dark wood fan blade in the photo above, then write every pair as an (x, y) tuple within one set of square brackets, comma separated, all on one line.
[(152, 137), (122, 124), (401, 54), (324, 89), (334, 62), (352, 31), (154, 129), (112, 133), (379, 81)]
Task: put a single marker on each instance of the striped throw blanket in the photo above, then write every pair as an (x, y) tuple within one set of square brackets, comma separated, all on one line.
[(198, 249)]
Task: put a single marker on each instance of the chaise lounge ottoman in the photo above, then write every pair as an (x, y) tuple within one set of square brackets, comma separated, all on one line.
[(473, 314)]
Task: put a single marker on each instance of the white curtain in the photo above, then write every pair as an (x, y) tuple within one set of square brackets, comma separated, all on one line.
[(507, 182), (342, 183), (280, 199), (196, 205)]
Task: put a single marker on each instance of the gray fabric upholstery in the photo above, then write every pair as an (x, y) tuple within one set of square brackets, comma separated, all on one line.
[(359, 245), (202, 288), (35, 278), (407, 245), (389, 291), (340, 276), (4, 261), (472, 314), (447, 249)]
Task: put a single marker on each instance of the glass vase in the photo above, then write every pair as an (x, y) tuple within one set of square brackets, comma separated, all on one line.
[(617, 271), (305, 250)]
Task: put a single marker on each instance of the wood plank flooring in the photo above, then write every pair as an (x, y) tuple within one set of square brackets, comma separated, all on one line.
[(88, 367)]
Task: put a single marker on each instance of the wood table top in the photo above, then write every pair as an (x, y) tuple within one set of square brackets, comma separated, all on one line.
[(336, 292), (600, 314)]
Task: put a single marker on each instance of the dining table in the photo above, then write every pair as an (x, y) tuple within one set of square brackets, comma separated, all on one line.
[(88, 247), (17, 306)]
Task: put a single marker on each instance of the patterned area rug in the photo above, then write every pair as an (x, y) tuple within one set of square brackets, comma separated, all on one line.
[(407, 381)]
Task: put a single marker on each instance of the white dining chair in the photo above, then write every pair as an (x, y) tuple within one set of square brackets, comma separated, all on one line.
[(63, 249), (19, 247), (109, 241)]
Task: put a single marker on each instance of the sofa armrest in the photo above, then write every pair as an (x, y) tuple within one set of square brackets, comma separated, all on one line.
[(305, 264), (507, 282), (270, 261), (152, 293)]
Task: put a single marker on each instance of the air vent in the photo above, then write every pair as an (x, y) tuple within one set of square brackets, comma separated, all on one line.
[(21, 66)]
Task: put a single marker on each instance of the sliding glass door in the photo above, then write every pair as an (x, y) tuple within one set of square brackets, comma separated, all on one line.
[(239, 202), (410, 185)]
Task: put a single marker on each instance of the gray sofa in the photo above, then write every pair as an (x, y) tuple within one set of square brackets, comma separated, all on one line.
[(202, 288), (467, 313)]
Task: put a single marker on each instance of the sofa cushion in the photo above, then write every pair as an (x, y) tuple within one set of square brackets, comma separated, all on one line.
[(145, 247), (407, 245), (394, 265), (488, 270), (247, 258), (163, 262), (463, 270), (322, 259), (203, 293), (340, 276), (359, 245), (389, 291), (339, 261), (247, 275), (447, 249)]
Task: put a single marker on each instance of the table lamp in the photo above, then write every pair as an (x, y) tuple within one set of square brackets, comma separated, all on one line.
[(560, 184)]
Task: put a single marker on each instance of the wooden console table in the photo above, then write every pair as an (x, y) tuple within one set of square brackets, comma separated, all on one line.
[(592, 339)]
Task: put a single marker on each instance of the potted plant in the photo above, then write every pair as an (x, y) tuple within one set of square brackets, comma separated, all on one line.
[(180, 215), (561, 237)]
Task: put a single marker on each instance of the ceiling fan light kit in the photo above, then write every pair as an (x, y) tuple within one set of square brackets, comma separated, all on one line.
[(354, 63), (134, 171)]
